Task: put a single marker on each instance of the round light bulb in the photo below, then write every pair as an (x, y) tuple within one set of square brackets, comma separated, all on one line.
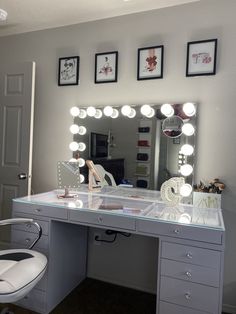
[(98, 114), (74, 146), (73, 160), (79, 203), (145, 110), (189, 109), (125, 110), (167, 110), (108, 110), (115, 114), (74, 128), (188, 129), (184, 218), (71, 205), (82, 130), (186, 170), (82, 114), (81, 178), (91, 111), (132, 113), (81, 146), (81, 162), (151, 113), (187, 149), (74, 111), (185, 190)]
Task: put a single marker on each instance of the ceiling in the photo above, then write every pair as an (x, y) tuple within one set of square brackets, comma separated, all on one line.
[(30, 15)]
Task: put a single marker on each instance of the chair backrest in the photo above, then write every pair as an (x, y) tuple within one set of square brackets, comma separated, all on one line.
[(107, 177)]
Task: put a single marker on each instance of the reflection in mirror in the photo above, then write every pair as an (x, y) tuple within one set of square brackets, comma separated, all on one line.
[(129, 142)]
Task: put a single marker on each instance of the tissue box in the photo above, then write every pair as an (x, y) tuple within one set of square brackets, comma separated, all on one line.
[(206, 200)]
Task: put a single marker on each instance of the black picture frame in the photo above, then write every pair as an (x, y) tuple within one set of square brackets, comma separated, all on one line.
[(150, 63), (201, 57), (106, 67), (68, 71)]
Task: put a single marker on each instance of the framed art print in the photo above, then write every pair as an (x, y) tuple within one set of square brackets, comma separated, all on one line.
[(150, 63), (68, 71), (106, 67), (201, 57)]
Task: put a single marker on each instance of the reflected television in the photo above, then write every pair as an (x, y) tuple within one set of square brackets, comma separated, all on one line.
[(98, 145)]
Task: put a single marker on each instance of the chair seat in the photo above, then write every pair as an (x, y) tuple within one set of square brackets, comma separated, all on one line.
[(20, 271)]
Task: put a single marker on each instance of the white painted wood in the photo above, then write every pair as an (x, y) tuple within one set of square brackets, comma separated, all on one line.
[(35, 300), (168, 308), (16, 133), (26, 238), (30, 228)]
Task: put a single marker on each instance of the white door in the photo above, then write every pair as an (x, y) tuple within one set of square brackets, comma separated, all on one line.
[(16, 133)]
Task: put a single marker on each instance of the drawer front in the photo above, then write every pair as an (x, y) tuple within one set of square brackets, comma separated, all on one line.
[(189, 272), (191, 255), (113, 221), (26, 238), (40, 210), (188, 294), (35, 300), (168, 308), (179, 231), (29, 227), (42, 284)]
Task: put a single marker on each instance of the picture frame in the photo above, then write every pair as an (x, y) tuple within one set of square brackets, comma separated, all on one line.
[(150, 63), (68, 71), (201, 57), (106, 67)]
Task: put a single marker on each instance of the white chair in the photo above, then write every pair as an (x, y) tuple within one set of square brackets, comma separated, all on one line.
[(20, 269), (106, 176)]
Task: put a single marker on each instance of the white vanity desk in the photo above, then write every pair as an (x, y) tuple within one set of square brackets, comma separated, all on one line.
[(191, 245)]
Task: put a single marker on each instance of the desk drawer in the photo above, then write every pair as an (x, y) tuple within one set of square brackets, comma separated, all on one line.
[(189, 272), (191, 255), (179, 231), (101, 219), (29, 227), (35, 300), (40, 210), (189, 294), (26, 238), (168, 308)]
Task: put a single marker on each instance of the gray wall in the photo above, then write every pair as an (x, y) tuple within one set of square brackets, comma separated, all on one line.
[(173, 27)]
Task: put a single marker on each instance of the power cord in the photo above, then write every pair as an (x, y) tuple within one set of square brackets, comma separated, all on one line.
[(112, 232)]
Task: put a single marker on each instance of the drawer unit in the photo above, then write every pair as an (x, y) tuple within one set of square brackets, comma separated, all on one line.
[(168, 308), (35, 300), (29, 227), (179, 231), (102, 219), (190, 272), (40, 210), (191, 255), (26, 238), (188, 294)]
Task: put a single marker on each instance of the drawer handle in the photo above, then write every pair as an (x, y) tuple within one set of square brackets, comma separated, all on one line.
[(188, 274), (176, 231), (38, 210), (189, 255), (99, 219), (187, 296)]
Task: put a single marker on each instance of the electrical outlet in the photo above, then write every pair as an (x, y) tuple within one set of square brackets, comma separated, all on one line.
[(97, 235)]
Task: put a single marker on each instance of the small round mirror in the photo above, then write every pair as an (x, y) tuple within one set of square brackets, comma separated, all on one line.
[(172, 126)]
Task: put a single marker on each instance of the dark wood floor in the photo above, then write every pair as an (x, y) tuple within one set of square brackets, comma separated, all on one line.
[(96, 297)]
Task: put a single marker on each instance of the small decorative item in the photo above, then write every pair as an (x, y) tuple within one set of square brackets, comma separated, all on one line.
[(170, 191), (106, 67), (150, 63), (68, 72), (201, 57)]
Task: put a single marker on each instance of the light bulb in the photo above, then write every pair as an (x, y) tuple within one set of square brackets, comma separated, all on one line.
[(82, 114), (189, 109), (187, 150), (73, 160), (188, 129), (151, 113), (71, 205), (79, 203), (91, 111), (74, 146), (167, 110), (74, 128), (108, 110), (98, 114), (125, 110), (115, 114), (184, 218), (81, 162), (132, 113), (74, 111), (145, 110), (186, 170), (81, 178), (81, 146), (186, 190), (82, 130)]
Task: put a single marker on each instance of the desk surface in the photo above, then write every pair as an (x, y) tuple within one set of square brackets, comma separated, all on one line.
[(131, 202)]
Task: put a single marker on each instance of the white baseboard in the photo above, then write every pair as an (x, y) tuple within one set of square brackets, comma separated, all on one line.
[(227, 308)]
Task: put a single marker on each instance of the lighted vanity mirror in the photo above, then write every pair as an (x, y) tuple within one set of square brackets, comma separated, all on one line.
[(131, 142)]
